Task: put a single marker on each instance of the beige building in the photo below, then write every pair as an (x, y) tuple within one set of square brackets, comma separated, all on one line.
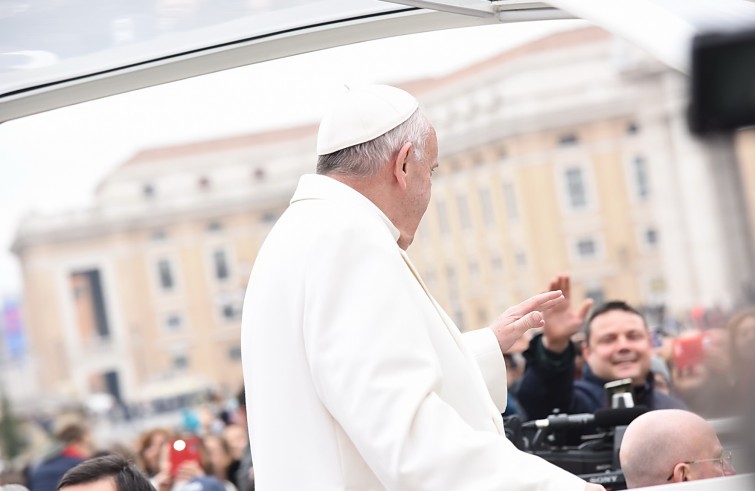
[(568, 154)]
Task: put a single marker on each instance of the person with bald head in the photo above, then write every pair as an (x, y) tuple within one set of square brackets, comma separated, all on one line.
[(671, 445), (355, 376)]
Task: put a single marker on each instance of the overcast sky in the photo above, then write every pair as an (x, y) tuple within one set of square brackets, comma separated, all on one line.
[(51, 162)]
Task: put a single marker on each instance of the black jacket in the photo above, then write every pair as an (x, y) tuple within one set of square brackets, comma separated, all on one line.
[(548, 383)]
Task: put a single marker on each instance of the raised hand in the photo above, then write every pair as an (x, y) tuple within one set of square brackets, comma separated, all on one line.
[(520, 318), (563, 320)]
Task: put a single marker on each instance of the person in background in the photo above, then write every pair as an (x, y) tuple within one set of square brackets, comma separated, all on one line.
[(741, 346), (148, 449), (706, 386), (219, 459), (73, 446), (357, 377), (616, 346), (245, 470), (189, 475), (661, 374), (671, 445), (106, 473)]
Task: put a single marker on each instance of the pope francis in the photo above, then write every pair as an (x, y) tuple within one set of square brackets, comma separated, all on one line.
[(356, 379)]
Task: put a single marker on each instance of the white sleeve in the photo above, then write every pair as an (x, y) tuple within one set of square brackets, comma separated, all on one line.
[(375, 369), (486, 350)]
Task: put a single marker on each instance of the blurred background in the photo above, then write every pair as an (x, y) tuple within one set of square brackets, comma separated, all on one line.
[(130, 224)]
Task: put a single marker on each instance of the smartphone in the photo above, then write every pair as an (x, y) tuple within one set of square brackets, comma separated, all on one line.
[(182, 450), (688, 351)]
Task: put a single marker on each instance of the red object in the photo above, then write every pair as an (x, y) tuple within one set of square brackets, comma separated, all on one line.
[(689, 350), (182, 450)]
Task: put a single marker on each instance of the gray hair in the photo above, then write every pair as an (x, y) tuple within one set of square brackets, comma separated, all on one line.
[(365, 159)]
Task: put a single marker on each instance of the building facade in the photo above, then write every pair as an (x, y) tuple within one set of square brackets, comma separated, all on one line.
[(568, 154)]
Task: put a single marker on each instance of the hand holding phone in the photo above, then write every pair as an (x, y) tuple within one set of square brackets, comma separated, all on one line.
[(688, 351), (183, 450)]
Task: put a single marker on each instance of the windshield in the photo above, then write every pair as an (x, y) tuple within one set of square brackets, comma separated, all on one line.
[(131, 223)]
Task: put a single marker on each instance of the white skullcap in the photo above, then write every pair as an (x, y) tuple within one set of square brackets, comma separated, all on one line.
[(363, 114)]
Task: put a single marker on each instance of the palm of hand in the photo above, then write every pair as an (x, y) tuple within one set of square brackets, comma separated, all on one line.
[(563, 321)]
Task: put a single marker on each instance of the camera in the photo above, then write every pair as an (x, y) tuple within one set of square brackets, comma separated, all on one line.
[(586, 445)]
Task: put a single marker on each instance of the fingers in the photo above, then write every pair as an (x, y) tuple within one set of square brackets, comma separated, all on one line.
[(555, 284), (538, 301), (527, 322)]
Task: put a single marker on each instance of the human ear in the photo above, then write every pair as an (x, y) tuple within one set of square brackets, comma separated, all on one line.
[(399, 165)]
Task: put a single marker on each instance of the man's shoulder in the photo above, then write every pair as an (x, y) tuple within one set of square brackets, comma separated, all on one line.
[(590, 394)]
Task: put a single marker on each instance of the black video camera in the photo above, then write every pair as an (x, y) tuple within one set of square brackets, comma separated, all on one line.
[(586, 445)]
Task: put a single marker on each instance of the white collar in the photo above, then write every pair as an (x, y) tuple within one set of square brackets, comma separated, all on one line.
[(315, 186)]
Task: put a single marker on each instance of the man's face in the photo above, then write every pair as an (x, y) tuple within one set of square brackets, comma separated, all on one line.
[(419, 182), (619, 347), (708, 462)]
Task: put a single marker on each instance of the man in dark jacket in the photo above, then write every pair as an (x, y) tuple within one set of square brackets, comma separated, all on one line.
[(617, 346), (74, 446)]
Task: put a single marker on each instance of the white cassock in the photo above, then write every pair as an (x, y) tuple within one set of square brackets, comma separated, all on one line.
[(355, 377)]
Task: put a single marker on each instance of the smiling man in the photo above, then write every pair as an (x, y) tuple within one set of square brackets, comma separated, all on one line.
[(617, 346)]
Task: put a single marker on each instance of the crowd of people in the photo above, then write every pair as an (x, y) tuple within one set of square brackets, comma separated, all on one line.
[(219, 458), (582, 347)]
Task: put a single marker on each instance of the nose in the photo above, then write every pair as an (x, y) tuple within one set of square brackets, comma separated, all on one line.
[(623, 343)]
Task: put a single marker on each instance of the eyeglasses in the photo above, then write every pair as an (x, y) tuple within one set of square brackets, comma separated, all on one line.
[(724, 460)]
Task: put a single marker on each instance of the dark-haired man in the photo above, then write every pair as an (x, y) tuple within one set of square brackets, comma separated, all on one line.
[(106, 473), (617, 346)]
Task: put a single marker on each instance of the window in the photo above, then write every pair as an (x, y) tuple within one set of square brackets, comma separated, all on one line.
[(586, 248), (89, 299), (464, 218), (640, 177), (165, 274), (214, 227), (234, 353), (174, 322), (258, 174), (180, 361), (496, 262), (568, 139), (651, 237), (632, 128), (229, 312), (269, 217), (509, 195), (521, 259), (575, 187), (453, 287), (221, 265), (148, 191), (158, 235), (487, 206), (203, 183)]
